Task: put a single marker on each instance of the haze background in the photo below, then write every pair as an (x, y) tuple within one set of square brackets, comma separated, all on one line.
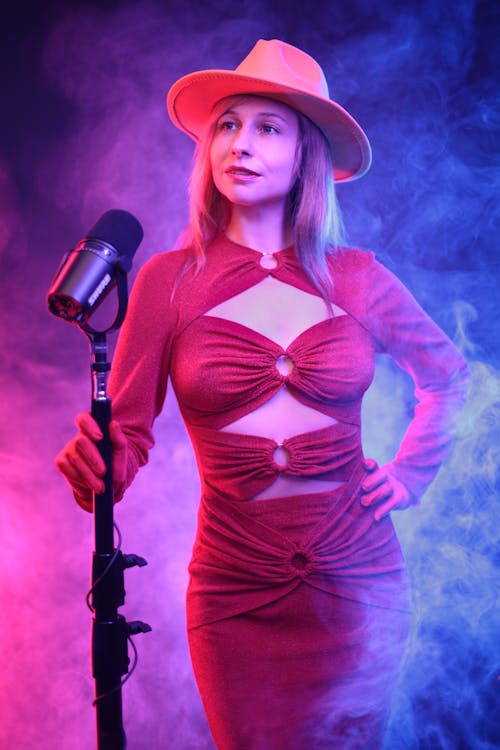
[(84, 129)]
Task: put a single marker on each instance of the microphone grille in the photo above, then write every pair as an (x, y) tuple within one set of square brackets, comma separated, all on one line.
[(120, 229)]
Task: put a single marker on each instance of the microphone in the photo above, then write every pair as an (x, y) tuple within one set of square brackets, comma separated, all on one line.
[(89, 271)]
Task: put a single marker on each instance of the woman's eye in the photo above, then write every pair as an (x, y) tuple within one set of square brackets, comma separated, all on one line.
[(226, 125), (269, 128)]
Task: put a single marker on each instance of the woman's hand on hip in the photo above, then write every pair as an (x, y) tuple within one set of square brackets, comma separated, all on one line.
[(382, 491)]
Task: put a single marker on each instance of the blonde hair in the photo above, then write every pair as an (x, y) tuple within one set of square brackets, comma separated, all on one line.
[(313, 211)]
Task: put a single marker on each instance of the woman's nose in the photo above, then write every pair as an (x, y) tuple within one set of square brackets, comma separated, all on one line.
[(241, 142)]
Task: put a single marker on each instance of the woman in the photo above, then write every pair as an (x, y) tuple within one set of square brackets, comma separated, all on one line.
[(298, 601)]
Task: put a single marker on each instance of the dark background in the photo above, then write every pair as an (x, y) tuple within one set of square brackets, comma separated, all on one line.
[(84, 129)]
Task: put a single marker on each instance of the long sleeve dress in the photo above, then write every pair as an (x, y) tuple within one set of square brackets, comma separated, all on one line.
[(298, 606)]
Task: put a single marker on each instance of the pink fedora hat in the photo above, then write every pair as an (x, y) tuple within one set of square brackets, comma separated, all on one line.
[(279, 71)]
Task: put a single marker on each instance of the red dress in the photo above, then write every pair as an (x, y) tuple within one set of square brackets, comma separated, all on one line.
[(297, 607)]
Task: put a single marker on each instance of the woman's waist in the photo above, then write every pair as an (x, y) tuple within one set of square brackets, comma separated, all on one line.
[(259, 551), (269, 521), (260, 540), (244, 467), (285, 487)]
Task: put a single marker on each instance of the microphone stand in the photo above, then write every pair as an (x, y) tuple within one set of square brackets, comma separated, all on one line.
[(110, 631)]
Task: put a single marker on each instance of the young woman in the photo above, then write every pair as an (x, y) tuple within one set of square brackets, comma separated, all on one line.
[(298, 601)]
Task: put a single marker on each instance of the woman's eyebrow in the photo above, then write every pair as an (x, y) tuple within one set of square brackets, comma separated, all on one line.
[(271, 114), (258, 114)]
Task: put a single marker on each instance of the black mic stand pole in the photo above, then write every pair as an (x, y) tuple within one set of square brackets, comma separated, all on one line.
[(110, 630)]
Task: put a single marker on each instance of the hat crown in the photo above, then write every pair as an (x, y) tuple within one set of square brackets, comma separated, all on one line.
[(285, 65)]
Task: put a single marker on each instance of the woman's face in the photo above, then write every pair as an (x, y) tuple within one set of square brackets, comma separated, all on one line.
[(253, 154)]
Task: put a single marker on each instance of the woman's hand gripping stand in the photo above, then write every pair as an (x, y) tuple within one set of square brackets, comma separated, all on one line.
[(81, 463)]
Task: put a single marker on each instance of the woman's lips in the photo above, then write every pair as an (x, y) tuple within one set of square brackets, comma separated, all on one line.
[(241, 172)]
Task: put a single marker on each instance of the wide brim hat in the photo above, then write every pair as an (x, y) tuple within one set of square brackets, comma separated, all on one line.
[(279, 71)]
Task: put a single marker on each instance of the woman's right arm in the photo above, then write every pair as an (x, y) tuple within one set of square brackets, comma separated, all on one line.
[(137, 388)]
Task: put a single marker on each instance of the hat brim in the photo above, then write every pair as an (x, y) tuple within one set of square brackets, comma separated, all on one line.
[(192, 98)]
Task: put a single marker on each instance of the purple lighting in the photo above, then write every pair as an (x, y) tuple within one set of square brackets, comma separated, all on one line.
[(84, 129)]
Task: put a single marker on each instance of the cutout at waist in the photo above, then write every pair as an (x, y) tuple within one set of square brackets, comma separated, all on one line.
[(284, 487), (243, 467)]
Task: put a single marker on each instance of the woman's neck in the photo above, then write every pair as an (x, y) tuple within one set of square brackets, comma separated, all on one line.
[(259, 228)]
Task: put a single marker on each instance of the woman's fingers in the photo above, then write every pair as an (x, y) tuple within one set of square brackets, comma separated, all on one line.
[(119, 442), (381, 490), (399, 499), (82, 465), (370, 464), (374, 486), (80, 461), (88, 426), (385, 508)]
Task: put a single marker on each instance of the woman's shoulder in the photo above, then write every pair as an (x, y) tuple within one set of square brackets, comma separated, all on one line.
[(351, 259), (157, 278), (166, 262), (162, 269), (360, 277)]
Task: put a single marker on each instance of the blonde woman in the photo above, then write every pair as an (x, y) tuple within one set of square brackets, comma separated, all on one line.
[(267, 327)]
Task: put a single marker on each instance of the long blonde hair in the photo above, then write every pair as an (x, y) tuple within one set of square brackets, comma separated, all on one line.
[(313, 211)]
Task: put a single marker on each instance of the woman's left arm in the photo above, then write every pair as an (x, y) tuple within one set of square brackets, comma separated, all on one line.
[(405, 332)]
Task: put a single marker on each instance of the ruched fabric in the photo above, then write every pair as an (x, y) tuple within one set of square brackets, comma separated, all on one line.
[(242, 559), (238, 466), (222, 369)]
